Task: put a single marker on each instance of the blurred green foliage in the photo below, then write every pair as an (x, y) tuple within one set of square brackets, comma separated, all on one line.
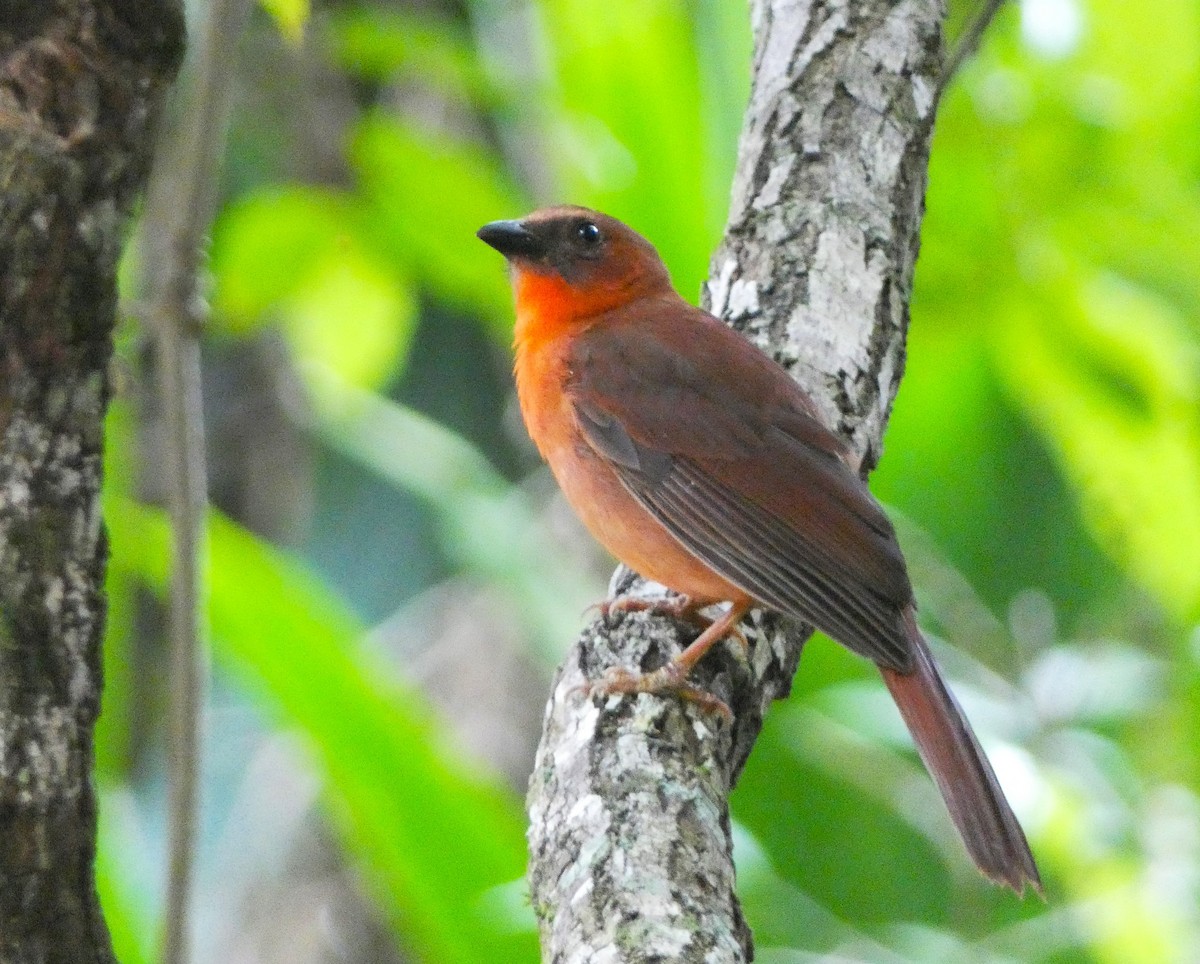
[(290, 16), (1044, 459), (293, 641)]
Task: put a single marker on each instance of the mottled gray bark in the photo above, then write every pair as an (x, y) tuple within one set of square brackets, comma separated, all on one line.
[(629, 835), (80, 86)]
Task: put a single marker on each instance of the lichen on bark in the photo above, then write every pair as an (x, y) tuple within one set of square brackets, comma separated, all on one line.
[(80, 87)]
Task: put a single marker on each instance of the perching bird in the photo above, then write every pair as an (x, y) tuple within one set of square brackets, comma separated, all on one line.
[(698, 462)]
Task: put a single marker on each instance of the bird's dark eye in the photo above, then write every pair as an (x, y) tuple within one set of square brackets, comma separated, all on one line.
[(588, 233)]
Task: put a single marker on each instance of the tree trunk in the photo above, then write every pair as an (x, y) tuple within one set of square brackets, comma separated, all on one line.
[(81, 83), (628, 803)]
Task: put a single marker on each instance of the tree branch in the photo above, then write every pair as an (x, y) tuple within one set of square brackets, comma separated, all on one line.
[(178, 215), (628, 803), (969, 42), (81, 85)]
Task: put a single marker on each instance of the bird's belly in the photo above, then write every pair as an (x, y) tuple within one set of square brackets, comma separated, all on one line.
[(627, 530)]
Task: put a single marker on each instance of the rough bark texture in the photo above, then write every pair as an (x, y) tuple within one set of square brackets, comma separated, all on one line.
[(80, 86), (629, 835)]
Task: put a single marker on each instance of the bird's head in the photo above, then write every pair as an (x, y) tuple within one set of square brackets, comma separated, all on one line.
[(571, 262)]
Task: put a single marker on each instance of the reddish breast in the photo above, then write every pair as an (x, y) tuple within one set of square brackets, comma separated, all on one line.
[(613, 516)]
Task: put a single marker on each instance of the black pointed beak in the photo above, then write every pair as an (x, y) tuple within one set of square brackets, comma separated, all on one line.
[(512, 239)]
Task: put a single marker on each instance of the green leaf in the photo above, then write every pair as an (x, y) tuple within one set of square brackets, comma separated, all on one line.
[(1106, 373), (352, 316), (780, 913), (723, 52), (379, 44), (438, 837), (124, 903), (1147, 230), (485, 522), (827, 837), (424, 198), (262, 243), (627, 135), (1144, 93), (290, 16), (298, 257)]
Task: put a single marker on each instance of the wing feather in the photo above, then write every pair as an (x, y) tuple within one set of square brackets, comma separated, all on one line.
[(745, 478), (772, 562)]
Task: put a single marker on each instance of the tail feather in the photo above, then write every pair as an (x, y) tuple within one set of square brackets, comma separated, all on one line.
[(955, 760)]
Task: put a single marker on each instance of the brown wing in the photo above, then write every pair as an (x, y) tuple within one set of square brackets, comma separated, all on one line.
[(722, 448)]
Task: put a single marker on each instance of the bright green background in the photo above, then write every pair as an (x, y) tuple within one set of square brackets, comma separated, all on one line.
[(1043, 463)]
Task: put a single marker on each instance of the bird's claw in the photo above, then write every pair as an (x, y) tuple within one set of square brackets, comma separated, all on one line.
[(682, 608), (668, 679)]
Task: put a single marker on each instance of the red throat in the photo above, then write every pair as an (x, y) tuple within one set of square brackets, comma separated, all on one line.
[(548, 305), (545, 296)]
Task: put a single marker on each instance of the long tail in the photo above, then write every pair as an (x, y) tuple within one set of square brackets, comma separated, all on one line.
[(957, 764)]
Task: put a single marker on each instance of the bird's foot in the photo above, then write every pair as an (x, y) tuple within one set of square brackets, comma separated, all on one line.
[(671, 678), (683, 608)]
